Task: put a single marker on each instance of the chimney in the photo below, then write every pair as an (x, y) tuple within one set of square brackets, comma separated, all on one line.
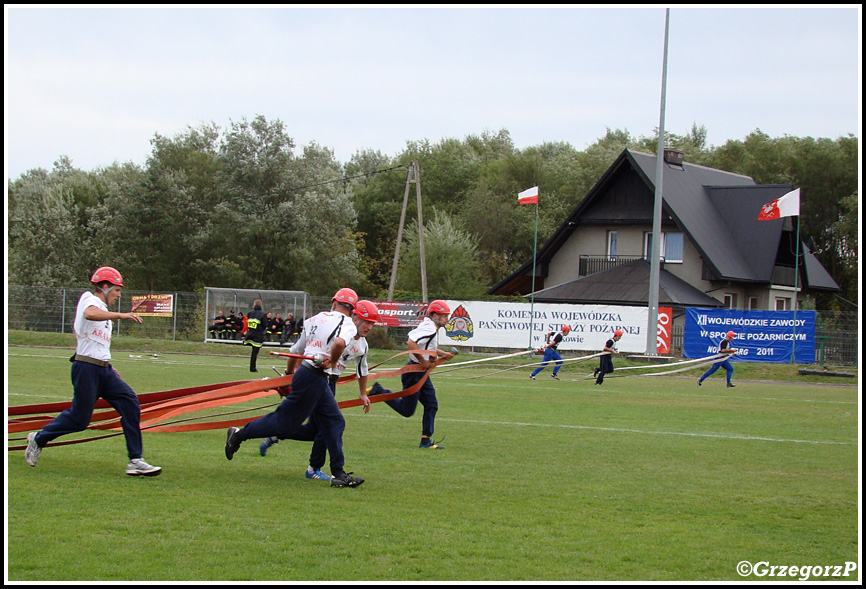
[(674, 156)]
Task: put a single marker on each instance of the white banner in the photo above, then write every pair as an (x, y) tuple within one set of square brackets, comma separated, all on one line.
[(508, 325)]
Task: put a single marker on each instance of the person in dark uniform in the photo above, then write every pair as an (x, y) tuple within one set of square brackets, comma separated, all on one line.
[(219, 325), (256, 325), (288, 329), (724, 348), (231, 325), (269, 319), (550, 352), (605, 363), (276, 327)]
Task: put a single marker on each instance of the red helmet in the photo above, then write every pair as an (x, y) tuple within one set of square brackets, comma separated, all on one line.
[(438, 306), (367, 311), (107, 274), (346, 296), (731, 335), (618, 332), (565, 329)]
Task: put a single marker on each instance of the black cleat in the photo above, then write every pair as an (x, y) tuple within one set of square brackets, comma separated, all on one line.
[(344, 480), (232, 443)]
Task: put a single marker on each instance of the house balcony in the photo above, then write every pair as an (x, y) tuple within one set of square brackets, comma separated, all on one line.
[(591, 264)]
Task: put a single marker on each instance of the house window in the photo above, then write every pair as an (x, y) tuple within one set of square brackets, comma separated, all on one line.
[(730, 301), (611, 245), (753, 303), (647, 244), (673, 249), (672, 246), (783, 304)]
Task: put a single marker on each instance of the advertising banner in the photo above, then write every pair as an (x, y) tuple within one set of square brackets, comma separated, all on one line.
[(400, 314), (761, 336), (508, 325), (153, 305)]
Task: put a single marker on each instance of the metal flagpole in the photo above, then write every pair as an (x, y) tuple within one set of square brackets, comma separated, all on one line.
[(796, 286), (532, 294)]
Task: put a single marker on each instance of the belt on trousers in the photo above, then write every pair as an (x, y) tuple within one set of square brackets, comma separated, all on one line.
[(316, 369), (89, 360)]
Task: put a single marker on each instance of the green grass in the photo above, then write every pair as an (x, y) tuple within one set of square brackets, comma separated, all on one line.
[(650, 479)]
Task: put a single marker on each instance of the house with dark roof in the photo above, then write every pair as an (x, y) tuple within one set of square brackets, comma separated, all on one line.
[(715, 251)]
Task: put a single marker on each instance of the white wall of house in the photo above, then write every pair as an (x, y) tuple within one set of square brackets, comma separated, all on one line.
[(588, 240)]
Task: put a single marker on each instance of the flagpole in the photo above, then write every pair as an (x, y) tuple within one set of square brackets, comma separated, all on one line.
[(532, 294), (788, 205), (796, 286)]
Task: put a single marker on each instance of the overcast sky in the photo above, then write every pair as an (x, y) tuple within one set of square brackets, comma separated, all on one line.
[(96, 83)]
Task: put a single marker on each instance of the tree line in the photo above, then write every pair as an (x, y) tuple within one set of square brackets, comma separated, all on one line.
[(244, 207)]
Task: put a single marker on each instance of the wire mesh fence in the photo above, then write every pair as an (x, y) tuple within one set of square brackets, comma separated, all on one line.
[(51, 309)]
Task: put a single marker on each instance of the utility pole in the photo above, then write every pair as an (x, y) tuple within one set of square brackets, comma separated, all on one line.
[(656, 249), (412, 177)]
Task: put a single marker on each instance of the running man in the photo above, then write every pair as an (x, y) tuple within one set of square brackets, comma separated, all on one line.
[(605, 362), (724, 348), (364, 317), (94, 377), (552, 339), (327, 334), (423, 337)]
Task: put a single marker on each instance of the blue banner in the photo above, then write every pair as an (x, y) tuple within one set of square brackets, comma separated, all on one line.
[(761, 336)]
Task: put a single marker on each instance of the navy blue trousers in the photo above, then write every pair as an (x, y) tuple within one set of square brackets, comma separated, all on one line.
[(426, 395), (90, 382), (605, 366), (310, 432), (311, 397)]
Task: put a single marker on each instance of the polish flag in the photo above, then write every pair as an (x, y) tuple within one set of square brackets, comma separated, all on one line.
[(784, 206), (528, 197)]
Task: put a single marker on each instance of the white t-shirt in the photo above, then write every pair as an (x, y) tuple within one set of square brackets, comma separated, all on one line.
[(425, 336), (319, 333), (93, 338), (356, 349)]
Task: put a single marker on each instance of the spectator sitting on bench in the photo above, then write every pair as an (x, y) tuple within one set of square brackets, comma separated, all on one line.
[(276, 327), (232, 325), (217, 329), (288, 329)]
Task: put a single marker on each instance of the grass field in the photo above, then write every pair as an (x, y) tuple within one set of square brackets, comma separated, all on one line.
[(641, 479)]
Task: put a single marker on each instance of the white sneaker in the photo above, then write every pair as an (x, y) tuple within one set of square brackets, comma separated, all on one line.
[(138, 467), (31, 454)]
